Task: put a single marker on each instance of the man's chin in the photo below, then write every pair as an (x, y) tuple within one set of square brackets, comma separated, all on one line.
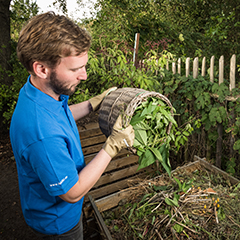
[(72, 90)]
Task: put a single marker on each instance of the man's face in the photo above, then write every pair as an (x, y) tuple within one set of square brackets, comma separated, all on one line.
[(68, 74)]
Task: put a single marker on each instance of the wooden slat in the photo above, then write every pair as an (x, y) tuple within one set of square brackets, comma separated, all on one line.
[(217, 170), (109, 201), (232, 72), (167, 65), (93, 140), (100, 220), (179, 66), (212, 69), (121, 162), (173, 67), (195, 67), (114, 187), (92, 149), (121, 154), (203, 67), (116, 175), (136, 46), (87, 126), (90, 133), (187, 66), (221, 70)]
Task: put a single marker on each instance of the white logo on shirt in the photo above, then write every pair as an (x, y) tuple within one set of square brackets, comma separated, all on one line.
[(57, 184)]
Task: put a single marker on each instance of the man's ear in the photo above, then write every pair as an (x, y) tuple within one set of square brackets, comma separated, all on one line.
[(41, 69)]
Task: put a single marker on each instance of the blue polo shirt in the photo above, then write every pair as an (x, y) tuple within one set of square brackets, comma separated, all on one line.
[(48, 153)]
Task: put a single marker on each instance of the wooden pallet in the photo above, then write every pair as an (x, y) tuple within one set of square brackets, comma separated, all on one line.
[(121, 170)]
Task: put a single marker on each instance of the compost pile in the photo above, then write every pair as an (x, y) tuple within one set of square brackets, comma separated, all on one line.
[(191, 204)]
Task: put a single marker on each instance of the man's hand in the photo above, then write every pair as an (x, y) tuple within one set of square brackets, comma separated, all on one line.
[(96, 101), (119, 139)]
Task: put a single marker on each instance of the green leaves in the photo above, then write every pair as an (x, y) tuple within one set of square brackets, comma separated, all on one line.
[(183, 186), (174, 201), (217, 115), (150, 122), (146, 159)]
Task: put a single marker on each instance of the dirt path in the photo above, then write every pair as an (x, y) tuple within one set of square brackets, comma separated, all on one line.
[(12, 223)]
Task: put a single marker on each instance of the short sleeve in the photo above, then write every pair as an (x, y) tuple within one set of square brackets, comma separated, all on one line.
[(52, 163)]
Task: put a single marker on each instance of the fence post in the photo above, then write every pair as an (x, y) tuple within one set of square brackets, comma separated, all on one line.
[(173, 67), (187, 66), (203, 67), (136, 45), (232, 72), (221, 69), (212, 69), (179, 66), (232, 113), (167, 65), (220, 126), (208, 150), (195, 67)]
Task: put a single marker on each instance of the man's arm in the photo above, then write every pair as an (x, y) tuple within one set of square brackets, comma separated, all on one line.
[(80, 110), (88, 176), (120, 138)]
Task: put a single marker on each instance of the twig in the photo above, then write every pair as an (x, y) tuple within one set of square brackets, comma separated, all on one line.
[(208, 220), (186, 193), (193, 199), (162, 220), (158, 234), (180, 214), (173, 215), (185, 226), (215, 211), (147, 202), (157, 206), (233, 221)]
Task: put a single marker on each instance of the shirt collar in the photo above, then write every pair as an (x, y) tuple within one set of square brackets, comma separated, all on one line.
[(43, 99)]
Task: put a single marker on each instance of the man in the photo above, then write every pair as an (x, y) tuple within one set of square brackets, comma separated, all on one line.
[(53, 178)]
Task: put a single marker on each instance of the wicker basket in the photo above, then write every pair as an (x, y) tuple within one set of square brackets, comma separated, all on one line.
[(124, 101)]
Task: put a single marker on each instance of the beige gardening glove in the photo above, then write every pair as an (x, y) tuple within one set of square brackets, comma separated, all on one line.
[(120, 138), (96, 101)]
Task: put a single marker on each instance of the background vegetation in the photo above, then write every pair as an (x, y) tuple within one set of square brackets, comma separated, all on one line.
[(168, 30)]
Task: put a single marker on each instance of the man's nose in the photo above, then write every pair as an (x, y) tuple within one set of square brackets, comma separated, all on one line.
[(83, 74)]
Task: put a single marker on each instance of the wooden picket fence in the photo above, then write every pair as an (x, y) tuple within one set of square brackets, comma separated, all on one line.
[(176, 68), (195, 71)]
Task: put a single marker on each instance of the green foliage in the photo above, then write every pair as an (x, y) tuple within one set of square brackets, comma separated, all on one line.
[(183, 187), (204, 103), (9, 94), (151, 121), (230, 166), (174, 201), (109, 67), (21, 11)]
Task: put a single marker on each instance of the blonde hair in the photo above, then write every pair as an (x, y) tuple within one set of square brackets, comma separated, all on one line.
[(49, 37)]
